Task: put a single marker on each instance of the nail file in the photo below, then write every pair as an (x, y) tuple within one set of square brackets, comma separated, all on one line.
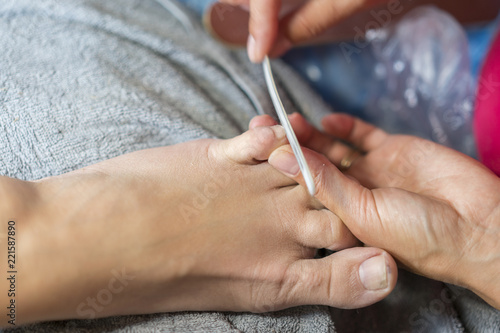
[(290, 134)]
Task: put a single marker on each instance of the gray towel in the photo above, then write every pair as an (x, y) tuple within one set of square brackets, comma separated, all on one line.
[(82, 81)]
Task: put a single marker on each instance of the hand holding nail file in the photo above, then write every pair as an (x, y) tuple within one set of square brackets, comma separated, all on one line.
[(290, 134)]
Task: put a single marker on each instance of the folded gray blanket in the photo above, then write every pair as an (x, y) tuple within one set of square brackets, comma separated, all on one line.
[(82, 81)]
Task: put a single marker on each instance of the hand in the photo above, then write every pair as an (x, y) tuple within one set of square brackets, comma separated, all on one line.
[(204, 225), (276, 25), (435, 210)]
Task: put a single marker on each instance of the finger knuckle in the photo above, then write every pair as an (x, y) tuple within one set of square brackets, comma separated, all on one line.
[(306, 28), (320, 177)]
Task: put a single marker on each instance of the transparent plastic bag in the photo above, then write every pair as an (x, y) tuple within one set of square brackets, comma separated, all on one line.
[(422, 79)]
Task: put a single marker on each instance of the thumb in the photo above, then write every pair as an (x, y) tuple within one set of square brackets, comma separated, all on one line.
[(350, 201), (263, 26), (234, 25), (351, 278), (315, 17)]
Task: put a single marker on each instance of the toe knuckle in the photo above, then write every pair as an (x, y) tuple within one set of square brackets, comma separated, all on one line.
[(270, 292), (307, 230), (262, 134), (213, 150), (261, 140)]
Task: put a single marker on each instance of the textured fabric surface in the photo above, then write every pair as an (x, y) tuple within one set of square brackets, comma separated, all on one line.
[(82, 81), (475, 314)]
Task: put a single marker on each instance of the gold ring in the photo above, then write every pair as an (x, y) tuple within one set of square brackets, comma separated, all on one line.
[(349, 159)]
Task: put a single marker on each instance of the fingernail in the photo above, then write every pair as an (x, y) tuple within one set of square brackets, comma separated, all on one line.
[(285, 162), (373, 273), (252, 49), (279, 132)]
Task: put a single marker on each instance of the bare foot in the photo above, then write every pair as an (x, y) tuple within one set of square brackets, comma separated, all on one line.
[(204, 225), (434, 209)]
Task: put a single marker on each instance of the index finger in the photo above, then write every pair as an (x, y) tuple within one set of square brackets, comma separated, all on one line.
[(316, 16), (263, 25), (355, 131)]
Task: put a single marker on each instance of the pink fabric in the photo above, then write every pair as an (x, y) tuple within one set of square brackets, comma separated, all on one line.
[(487, 113)]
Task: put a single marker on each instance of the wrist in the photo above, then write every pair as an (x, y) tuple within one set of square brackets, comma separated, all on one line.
[(483, 273), (486, 283)]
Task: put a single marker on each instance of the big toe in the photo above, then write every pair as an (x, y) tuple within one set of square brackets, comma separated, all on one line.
[(350, 278)]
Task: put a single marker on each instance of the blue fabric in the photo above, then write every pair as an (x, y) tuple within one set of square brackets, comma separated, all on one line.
[(343, 83), (197, 5), (479, 37)]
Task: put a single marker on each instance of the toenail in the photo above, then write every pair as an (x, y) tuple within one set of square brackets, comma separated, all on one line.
[(279, 132), (285, 162), (373, 273)]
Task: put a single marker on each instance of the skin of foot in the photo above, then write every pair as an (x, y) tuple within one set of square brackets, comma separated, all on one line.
[(203, 225), (434, 209)]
